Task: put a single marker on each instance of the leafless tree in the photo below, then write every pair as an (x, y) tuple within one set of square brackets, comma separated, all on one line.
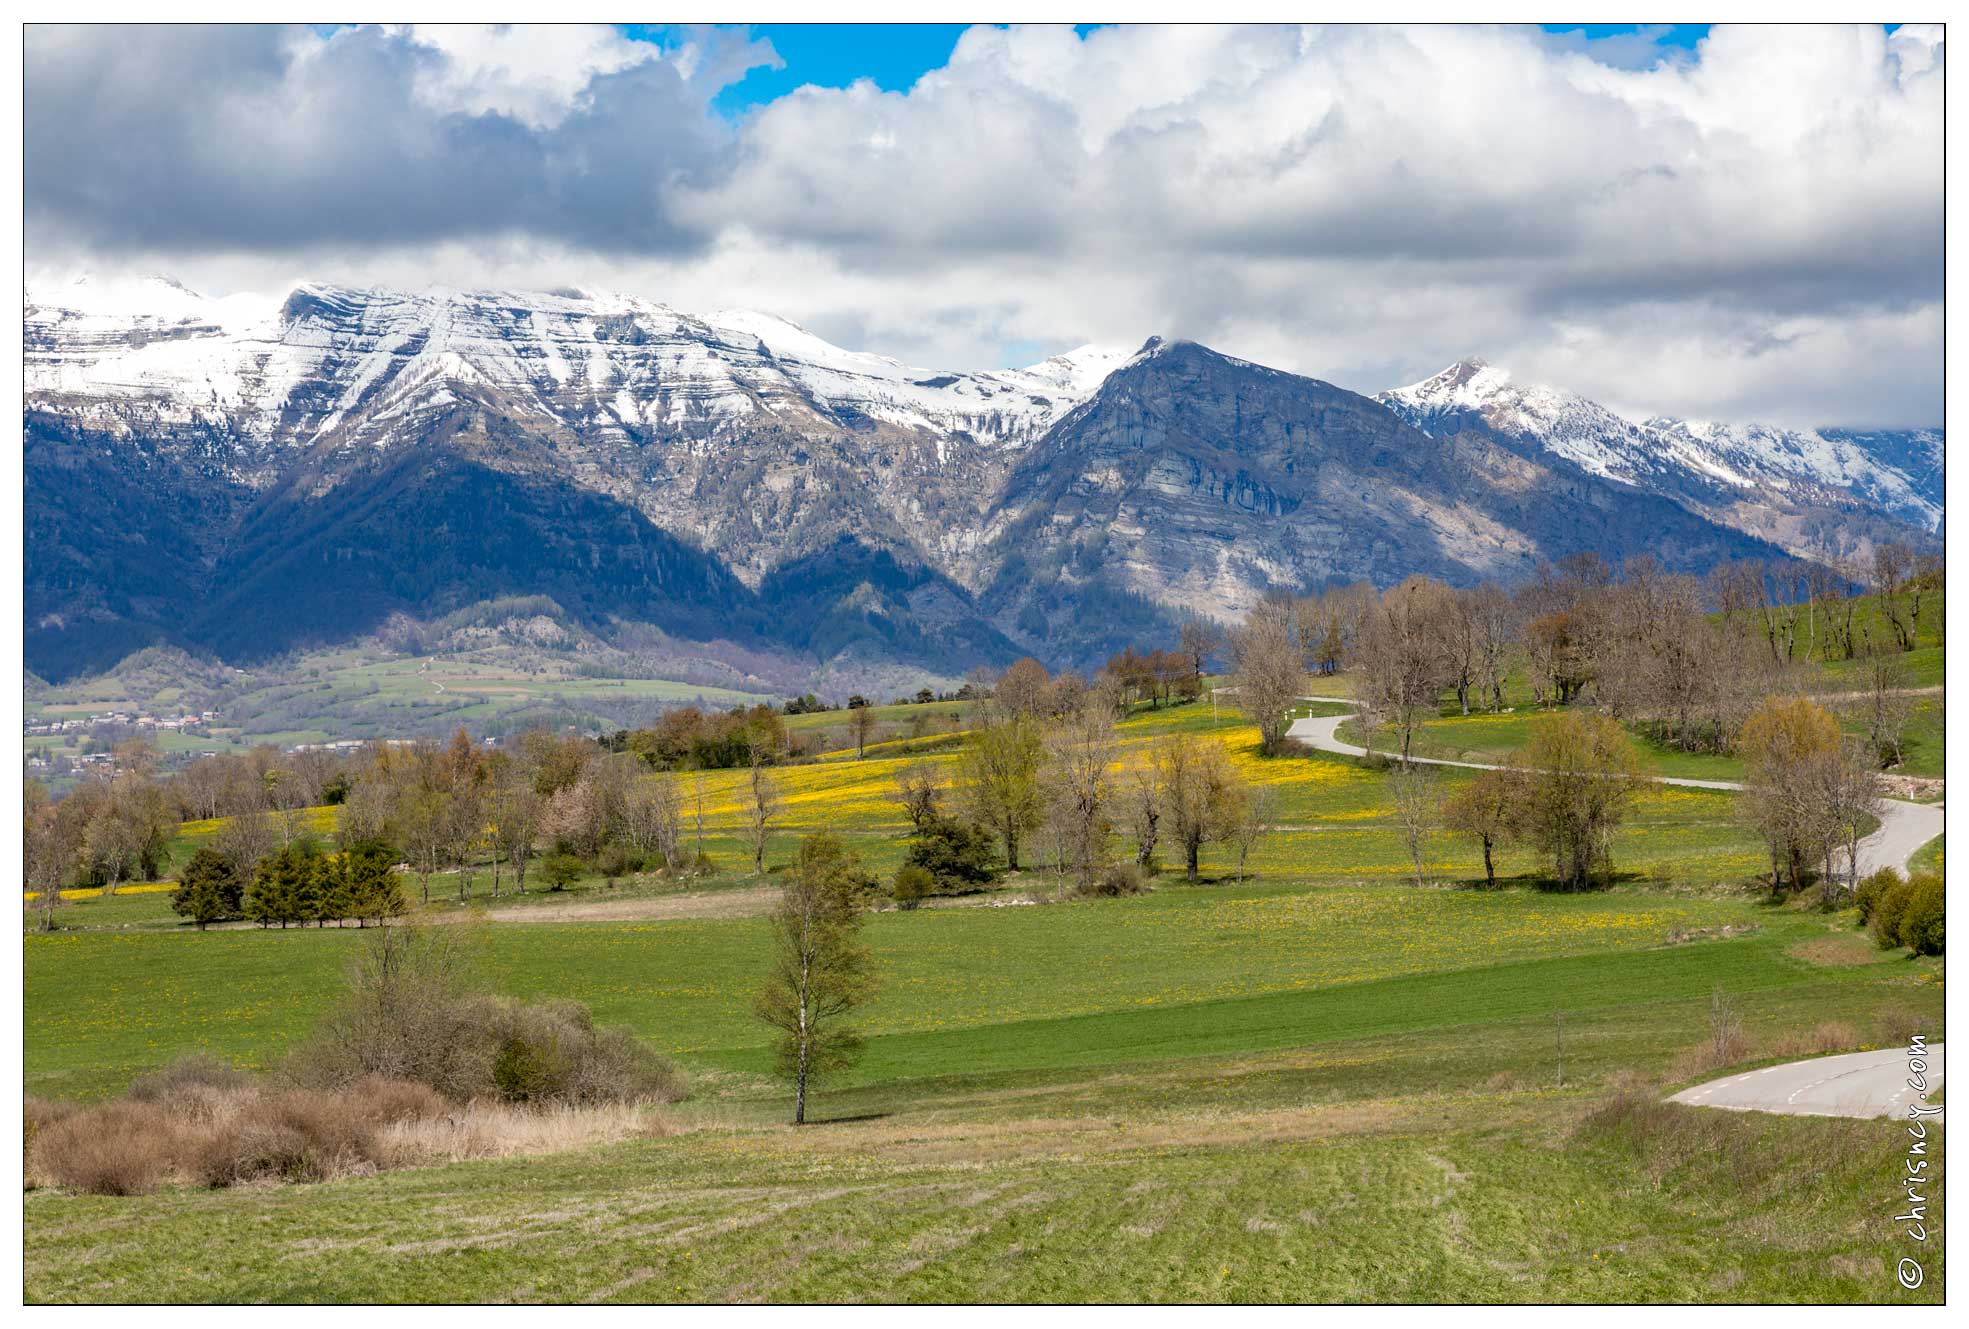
[(1023, 689), (1197, 639), (517, 811), (1251, 820), (1893, 566), (1080, 789), (1401, 658), (919, 792), (1141, 794), (1493, 629), (1413, 791), (1888, 704), (762, 807), (1270, 671), (1849, 795), (1486, 810), (1202, 794), (245, 838), (652, 820), (861, 724)]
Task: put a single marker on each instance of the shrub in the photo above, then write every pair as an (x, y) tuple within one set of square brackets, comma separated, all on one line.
[(1870, 890), (1885, 916), (913, 882), (291, 1137), (1921, 915), (198, 1070), (614, 1066), (119, 1148), (523, 1070), (959, 855), (560, 871), (390, 1101), (554, 1053), (37, 1115), (1121, 879), (616, 860), (412, 1014)]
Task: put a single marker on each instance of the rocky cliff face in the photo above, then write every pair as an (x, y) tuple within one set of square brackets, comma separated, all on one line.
[(247, 477), (1827, 496), (1197, 481)]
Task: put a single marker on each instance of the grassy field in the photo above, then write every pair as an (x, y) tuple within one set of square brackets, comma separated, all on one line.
[(1317, 1084), (1398, 1137), (1524, 1200)]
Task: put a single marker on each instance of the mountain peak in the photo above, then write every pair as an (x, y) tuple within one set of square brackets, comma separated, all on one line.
[(1469, 381)]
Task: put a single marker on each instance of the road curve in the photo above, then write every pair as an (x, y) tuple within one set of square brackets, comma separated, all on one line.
[(1904, 827), (1857, 1084)]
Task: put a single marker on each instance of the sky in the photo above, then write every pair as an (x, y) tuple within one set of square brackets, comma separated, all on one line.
[(1726, 223)]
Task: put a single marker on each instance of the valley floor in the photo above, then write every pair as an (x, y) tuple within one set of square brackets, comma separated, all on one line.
[(1318, 1084)]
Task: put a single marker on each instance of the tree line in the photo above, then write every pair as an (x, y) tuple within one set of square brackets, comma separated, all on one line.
[(1699, 665)]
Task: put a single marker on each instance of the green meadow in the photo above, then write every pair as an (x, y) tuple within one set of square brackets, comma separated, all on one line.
[(1311, 1082)]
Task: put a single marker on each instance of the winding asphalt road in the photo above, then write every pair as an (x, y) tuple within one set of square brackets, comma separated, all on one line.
[(1904, 827), (1857, 1084)]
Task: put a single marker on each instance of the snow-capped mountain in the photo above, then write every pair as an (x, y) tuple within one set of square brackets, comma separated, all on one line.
[(249, 475), (1775, 483), (133, 354)]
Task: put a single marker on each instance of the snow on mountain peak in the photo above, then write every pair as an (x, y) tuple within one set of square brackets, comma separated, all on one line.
[(1674, 456), (605, 360)]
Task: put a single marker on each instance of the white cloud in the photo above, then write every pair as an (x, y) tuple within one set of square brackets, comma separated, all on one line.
[(1753, 228), (532, 74)]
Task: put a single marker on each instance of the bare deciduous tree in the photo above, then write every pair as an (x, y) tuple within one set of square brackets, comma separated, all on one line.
[(1401, 656), (762, 806), (1251, 820), (1413, 791), (1080, 789), (919, 792), (1202, 794), (1142, 806), (1270, 671), (861, 724), (1486, 810), (1888, 705)]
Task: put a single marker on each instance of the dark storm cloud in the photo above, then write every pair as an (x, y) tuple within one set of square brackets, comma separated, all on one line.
[(262, 138)]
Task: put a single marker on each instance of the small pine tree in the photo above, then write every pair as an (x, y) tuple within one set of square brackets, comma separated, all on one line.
[(373, 888), (209, 889), (284, 888), (335, 897), (312, 884)]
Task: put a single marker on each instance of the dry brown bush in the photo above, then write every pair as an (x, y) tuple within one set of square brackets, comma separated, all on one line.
[(1830, 1036), (199, 1071), (202, 1136), (295, 1136), (390, 1101), (119, 1148)]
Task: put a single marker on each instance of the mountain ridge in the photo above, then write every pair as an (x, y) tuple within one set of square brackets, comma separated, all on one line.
[(857, 505)]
